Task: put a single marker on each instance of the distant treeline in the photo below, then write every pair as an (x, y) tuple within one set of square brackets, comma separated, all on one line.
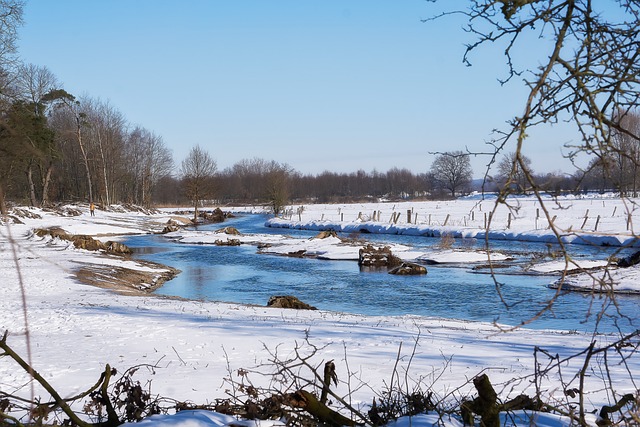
[(243, 185)]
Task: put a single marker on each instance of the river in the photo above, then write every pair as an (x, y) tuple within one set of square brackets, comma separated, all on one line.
[(238, 274)]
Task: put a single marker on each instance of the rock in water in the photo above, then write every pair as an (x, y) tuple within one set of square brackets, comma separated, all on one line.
[(408, 269), (288, 301)]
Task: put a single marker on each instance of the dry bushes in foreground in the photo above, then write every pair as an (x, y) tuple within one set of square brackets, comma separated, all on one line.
[(305, 390)]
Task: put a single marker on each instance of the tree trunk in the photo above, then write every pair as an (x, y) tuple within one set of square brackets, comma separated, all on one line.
[(32, 186), (307, 401), (104, 170), (45, 185), (85, 159), (485, 404), (3, 207)]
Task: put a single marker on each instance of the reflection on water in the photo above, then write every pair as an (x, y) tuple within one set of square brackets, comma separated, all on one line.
[(238, 274)]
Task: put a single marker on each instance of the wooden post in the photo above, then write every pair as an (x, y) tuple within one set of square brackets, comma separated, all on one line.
[(597, 221), (429, 220), (614, 211), (408, 216), (485, 220), (586, 217), (341, 216), (415, 219), (628, 221), (537, 213), (446, 220), (509, 221), (473, 215)]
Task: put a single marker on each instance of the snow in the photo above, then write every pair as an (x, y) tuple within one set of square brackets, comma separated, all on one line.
[(592, 221), (186, 349)]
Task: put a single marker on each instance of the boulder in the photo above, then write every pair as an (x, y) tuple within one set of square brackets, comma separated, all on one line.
[(82, 241), (408, 269), (288, 301), (117, 248), (229, 230), (169, 228), (370, 256), (216, 216), (53, 232)]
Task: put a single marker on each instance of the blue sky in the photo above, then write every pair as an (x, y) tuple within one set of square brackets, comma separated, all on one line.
[(320, 85)]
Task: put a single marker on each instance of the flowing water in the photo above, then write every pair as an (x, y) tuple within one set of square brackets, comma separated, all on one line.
[(238, 274)]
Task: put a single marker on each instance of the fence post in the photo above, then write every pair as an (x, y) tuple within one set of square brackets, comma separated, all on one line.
[(408, 216), (586, 217), (597, 221)]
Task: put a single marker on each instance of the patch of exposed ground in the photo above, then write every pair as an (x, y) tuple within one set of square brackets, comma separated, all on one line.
[(125, 280)]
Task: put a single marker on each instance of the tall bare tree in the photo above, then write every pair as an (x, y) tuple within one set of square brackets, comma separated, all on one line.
[(452, 171), (510, 172), (105, 138), (150, 161), (75, 128), (197, 171), (277, 186)]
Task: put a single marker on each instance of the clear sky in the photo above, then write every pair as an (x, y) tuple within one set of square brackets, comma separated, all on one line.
[(320, 85)]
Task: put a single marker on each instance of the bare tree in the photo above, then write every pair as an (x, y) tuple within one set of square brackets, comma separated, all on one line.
[(510, 173), (452, 171), (197, 171), (76, 127), (33, 82), (277, 186), (105, 137), (152, 161)]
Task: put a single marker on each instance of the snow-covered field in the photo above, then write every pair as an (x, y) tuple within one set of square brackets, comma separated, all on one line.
[(75, 330)]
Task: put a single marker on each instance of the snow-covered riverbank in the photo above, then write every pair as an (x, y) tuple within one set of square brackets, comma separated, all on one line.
[(75, 330)]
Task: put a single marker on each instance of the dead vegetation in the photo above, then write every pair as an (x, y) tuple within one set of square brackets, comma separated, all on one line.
[(304, 389)]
